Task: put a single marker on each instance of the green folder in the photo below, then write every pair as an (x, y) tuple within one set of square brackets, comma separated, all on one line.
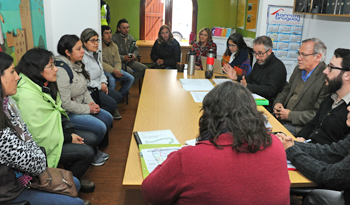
[(145, 171), (261, 102)]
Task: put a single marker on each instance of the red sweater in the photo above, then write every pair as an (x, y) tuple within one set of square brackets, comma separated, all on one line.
[(203, 174)]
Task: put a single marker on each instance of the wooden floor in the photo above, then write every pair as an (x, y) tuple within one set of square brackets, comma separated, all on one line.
[(108, 178)]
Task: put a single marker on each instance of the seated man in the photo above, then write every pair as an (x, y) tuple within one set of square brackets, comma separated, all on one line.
[(124, 42), (300, 99), (327, 165), (329, 123), (112, 64), (268, 75)]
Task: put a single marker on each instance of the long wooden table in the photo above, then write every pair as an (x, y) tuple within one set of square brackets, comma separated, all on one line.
[(164, 104), (145, 48)]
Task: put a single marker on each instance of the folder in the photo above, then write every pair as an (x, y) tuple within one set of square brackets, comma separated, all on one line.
[(228, 33), (223, 32)]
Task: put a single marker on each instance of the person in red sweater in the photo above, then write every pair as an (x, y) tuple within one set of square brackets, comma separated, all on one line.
[(234, 162)]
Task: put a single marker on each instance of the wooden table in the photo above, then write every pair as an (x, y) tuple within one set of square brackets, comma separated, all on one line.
[(164, 104), (146, 47)]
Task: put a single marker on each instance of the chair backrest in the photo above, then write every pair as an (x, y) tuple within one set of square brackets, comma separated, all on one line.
[(250, 53)]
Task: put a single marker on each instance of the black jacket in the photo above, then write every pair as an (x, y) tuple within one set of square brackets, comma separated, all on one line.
[(328, 125), (170, 53)]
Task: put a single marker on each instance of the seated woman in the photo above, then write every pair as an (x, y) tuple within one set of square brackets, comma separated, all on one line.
[(166, 50), (202, 47), (237, 54), (20, 155), (82, 111), (234, 162), (40, 103), (93, 64)]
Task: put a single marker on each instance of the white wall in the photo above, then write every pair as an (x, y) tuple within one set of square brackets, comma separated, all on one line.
[(70, 17)]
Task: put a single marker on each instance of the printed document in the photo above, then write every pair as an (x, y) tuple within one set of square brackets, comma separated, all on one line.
[(158, 137), (198, 96), (154, 157), (196, 84), (219, 81)]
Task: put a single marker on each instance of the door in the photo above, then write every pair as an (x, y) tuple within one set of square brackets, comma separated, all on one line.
[(153, 18)]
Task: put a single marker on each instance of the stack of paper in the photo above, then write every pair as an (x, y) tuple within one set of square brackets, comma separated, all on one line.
[(196, 84), (260, 100)]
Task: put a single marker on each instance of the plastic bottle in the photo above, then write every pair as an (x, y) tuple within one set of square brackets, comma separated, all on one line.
[(191, 62), (210, 64)]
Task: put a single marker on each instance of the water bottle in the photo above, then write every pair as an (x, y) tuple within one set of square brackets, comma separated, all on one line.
[(191, 62), (210, 64), (132, 48)]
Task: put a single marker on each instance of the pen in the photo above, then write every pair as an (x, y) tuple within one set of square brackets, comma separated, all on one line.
[(306, 141)]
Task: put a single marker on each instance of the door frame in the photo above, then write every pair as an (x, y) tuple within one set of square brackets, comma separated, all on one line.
[(168, 15)]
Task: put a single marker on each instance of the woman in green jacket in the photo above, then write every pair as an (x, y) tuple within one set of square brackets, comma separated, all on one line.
[(40, 104)]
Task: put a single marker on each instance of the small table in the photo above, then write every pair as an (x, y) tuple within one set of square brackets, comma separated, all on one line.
[(145, 47)]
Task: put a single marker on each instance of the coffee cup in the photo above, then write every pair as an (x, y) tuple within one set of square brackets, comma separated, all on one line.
[(180, 67)]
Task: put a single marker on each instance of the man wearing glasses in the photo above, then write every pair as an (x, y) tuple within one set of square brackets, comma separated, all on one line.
[(300, 99), (329, 123), (268, 75)]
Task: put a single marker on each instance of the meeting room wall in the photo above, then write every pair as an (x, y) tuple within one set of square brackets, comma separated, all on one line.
[(69, 17), (210, 13)]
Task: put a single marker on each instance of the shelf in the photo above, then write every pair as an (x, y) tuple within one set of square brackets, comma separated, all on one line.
[(338, 15)]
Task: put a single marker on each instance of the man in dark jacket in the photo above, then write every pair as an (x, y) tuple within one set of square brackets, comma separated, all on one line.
[(268, 75), (300, 99), (329, 123)]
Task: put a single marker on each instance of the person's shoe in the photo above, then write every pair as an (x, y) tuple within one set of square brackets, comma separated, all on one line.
[(87, 186), (98, 161), (103, 155), (116, 115), (86, 202)]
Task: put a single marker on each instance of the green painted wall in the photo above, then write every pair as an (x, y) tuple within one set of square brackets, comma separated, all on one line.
[(210, 13)]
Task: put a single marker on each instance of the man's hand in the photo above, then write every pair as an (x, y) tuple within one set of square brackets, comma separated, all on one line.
[(94, 108), (230, 71), (76, 139), (127, 58), (244, 82), (301, 139), (287, 141), (160, 61), (117, 73), (280, 112), (104, 88)]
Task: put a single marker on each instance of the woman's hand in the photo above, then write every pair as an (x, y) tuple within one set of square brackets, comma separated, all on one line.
[(197, 67), (94, 108), (76, 139), (230, 71), (160, 61), (104, 88)]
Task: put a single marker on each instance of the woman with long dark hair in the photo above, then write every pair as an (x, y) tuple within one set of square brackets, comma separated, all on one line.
[(82, 111), (93, 64), (20, 155), (166, 50), (203, 45), (40, 104), (237, 54), (234, 162)]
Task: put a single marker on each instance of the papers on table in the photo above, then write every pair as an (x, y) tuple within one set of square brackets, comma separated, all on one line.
[(191, 142), (156, 137), (290, 166), (259, 100), (258, 97), (196, 84), (219, 81), (154, 157), (198, 96)]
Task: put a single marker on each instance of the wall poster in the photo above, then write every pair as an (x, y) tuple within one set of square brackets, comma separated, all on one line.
[(241, 14), (252, 13)]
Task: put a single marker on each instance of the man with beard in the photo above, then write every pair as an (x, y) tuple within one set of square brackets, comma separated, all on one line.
[(268, 75), (300, 99), (128, 51), (329, 123)]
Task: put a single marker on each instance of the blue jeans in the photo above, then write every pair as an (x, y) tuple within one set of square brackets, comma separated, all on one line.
[(97, 123), (79, 156), (109, 102), (127, 80), (35, 196)]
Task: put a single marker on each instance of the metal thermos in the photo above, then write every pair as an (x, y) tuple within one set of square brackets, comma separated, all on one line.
[(191, 62), (210, 64)]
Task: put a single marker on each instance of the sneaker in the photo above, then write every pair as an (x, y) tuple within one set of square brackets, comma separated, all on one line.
[(98, 161), (116, 115), (105, 156)]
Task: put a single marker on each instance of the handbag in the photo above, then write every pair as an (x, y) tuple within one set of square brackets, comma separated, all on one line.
[(55, 180), (95, 95)]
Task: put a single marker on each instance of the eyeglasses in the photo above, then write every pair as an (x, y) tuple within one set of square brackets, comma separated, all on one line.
[(259, 54), (94, 40), (333, 67), (232, 45), (303, 55), (51, 66)]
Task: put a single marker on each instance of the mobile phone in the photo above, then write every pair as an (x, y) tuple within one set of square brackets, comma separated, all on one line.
[(130, 55), (220, 76)]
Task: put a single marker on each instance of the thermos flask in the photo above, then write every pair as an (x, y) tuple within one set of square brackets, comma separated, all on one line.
[(191, 62), (210, 64)]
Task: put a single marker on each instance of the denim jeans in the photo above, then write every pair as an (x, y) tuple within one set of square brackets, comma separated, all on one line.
[(127, 80), (97, 123), (79, 156), (109, 102), (35, 196)]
